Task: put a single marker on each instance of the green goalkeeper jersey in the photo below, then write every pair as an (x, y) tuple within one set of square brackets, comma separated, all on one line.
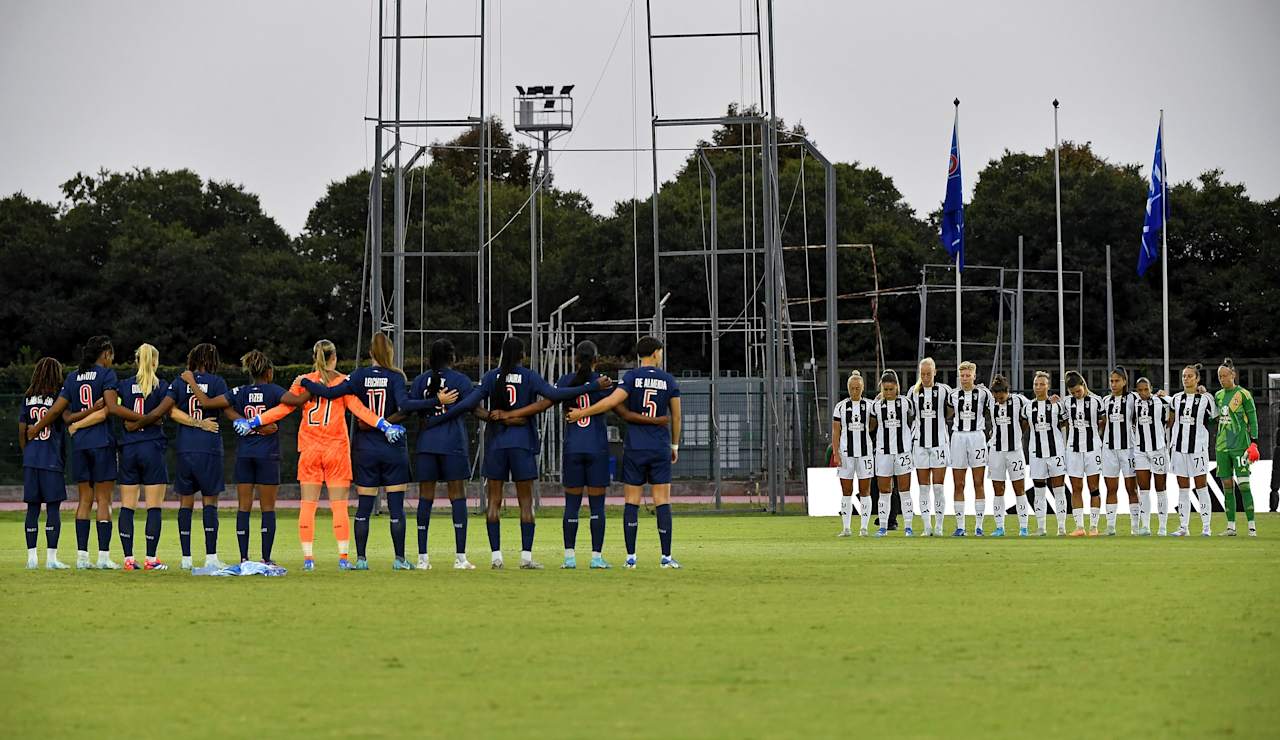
[(1237, 420)]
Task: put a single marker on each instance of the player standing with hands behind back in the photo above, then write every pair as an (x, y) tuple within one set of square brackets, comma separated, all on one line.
[(650, 450), (1237, 444)]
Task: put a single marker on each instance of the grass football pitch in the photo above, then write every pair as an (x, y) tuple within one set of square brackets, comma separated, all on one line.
[(774, 628)]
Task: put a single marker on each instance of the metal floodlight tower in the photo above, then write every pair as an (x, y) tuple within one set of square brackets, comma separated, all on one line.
[(544, 116)]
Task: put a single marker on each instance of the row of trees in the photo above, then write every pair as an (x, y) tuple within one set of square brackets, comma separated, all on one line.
[(168, 258)]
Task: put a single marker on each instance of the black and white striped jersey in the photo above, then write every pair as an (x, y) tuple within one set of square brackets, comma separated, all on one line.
[(1149, 418), (970, 409), (893, 425), (855, 426), (1007, 419), (1083, 415), (1046, 434), (1121, 415), (931, 424), (1191, 415)]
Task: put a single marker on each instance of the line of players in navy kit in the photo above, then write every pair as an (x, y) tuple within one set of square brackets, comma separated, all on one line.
[(507, 398), (1134, 438)]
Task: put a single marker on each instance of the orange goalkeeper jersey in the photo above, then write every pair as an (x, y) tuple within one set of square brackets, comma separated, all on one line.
[(324, 421)]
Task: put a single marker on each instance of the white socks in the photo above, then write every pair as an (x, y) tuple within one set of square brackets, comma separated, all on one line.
[(908, 513), (1162, 508), (1042, 508), (1111, 515), (1022, 505), (926, 505), (1184, 508), (526, 556), (495, 556), (1060, 506), (846, 510), (980, 513), (864, 503), (939, 506), (1137, 513), (960, 516), (1080, 515), (1206, 509), (884, 510)]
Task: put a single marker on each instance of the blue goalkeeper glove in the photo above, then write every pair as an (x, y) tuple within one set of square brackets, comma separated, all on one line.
[(393, 432), (245, 427)]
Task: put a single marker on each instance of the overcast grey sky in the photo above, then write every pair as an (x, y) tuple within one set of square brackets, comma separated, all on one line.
[(272, 94)]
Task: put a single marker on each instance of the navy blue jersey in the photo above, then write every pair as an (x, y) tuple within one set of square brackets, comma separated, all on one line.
[(250, 401), (384, 392), (587, 435), (82, 390), (450, 437), (649, 393), (45, 451), (131, 398), (191, 439), (522, 388)]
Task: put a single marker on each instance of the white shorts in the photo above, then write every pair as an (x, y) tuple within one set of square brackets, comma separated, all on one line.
[(968, 450), (1189, 464), (891, 465), (1082, 464), (928, 458), (1156, 461), (1044, 468), (856, 468), (1117, 463), (1006, 466)]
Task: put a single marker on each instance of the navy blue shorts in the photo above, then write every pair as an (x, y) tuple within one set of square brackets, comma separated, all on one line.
[(584, 469), (97, 465), (199, 473), (43, 486), (260, 470), (142, 464), (646, 466), (387, 466), (510, 463), (429, 466)]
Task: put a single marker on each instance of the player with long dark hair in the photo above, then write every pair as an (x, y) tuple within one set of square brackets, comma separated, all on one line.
[(42, 481)]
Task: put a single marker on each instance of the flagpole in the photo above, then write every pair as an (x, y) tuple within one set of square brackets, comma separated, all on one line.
[(959, 347), (1057, 195), (1164, 249)]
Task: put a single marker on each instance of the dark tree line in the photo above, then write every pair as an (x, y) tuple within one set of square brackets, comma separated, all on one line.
[(168, 258)]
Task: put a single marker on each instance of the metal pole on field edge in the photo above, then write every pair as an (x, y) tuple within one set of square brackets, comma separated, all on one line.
[(1164, 250), (714, 386), (959, 341), (1111, 324), (1019, 347), (1057, 197)]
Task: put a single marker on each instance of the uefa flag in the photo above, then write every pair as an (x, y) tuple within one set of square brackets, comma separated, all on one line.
[(1154, 220), (953, 206)]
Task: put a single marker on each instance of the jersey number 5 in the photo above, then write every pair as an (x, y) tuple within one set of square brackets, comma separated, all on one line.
[(650, 406)]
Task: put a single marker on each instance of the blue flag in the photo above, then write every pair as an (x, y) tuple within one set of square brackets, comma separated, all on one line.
[(953, 206), (1154, 222)]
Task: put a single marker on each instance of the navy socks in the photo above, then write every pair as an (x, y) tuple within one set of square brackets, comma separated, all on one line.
[(184, 530), (210, 516), (104, 535), (32, 524), (596, 504), (126, 531), (459, 507), (424, 522), (268, 533), (153, 530), (495, 535), (630, 523), (664, 528), (395, 508), (364, 510), (52, 524), (82, 534), (572, 505), (526, 536), (242, 533)]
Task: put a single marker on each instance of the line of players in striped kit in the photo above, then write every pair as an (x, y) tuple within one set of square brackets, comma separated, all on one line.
[(1135, 438)]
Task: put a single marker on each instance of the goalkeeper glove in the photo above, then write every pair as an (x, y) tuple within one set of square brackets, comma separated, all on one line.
[(1253, 452)]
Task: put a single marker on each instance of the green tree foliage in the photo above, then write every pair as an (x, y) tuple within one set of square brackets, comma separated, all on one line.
[(167, 258)]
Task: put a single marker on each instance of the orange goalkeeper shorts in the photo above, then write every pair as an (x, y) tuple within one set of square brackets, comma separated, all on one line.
[(329, 465)]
